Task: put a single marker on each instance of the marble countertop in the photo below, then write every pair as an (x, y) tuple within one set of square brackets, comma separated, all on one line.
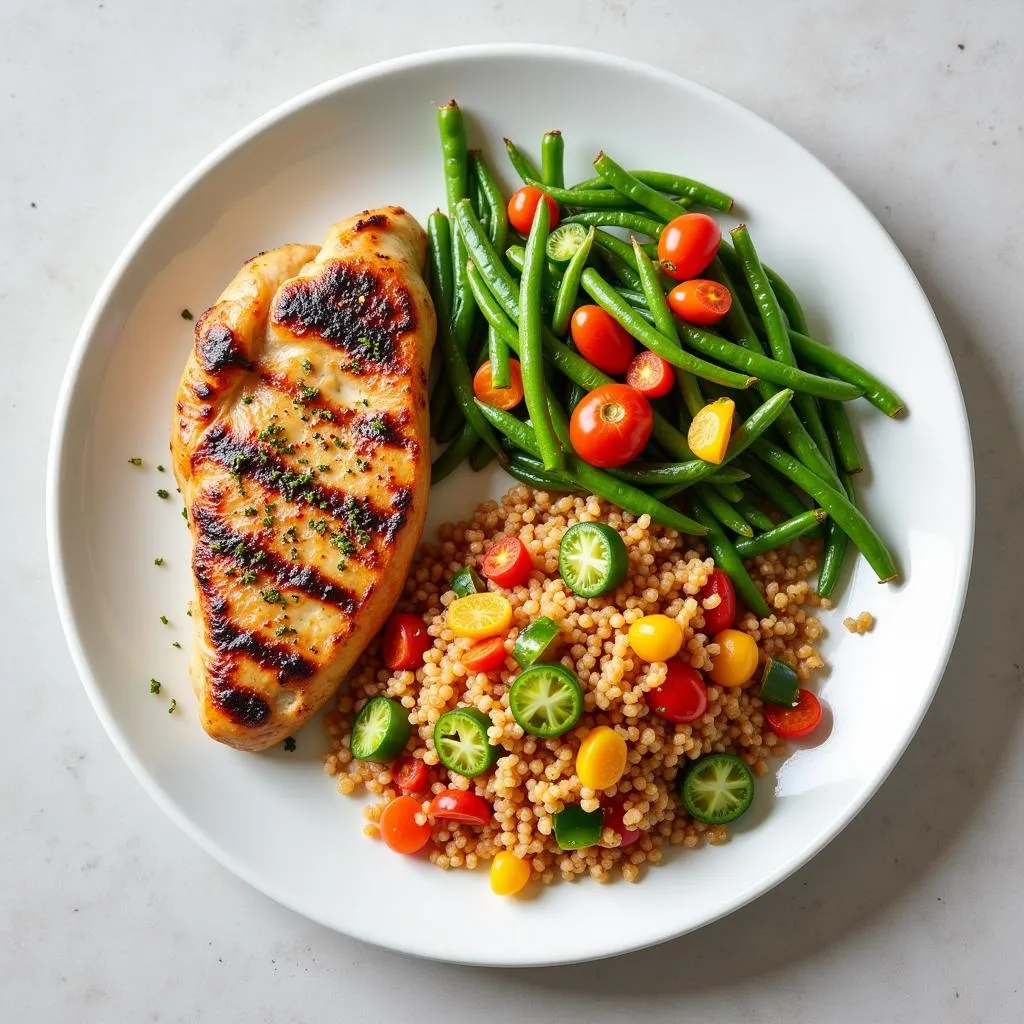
[(108, 913)]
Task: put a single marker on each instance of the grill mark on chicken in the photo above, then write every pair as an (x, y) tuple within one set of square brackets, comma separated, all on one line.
[(377, 220), (384, 429), (216, 538), (352, 307), (218, 348), (246, 458), (243, 705)]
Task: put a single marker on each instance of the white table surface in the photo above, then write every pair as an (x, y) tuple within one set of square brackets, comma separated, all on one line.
[(108, 913)]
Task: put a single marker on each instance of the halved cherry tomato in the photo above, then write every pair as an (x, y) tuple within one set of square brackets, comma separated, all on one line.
[(410, 775), (651, 375), (500, 398), (601, 339), (611, 425), (507, 562), (700, 302), (406, 640), (613, 813), (461, 806), (522, 205), (723, 615), (688, 244), (399, 828), (792, 723), (486, 655), (683, 696)]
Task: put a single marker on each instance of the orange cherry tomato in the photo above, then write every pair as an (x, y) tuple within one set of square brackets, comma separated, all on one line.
[(406, 640), (461, 806), (500, 398), (700, 302), (793, 723), (410, 775), (507, 562), (688, 244), (522, 205), (651, 375), (601, 339), (485, 655), (611, 425), (399, 828)]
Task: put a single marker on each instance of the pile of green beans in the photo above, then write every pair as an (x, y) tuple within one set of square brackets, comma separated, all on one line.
[(788, 471)]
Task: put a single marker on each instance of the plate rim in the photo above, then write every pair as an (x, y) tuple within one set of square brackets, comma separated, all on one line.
[(56, 453)]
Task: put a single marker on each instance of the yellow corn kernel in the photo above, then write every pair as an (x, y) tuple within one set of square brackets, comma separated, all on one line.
[(601, 759), (711, 429), (509, 873)]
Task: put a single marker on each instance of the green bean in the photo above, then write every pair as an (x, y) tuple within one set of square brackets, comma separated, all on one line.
[(516, 256), (487, 261), (552, 148), (480, 457), (499, 314), (610, 300), (628, 220), (787, 300), (836, 544), (476, 193), (442, 285), (456, 177), (523, 165), (686, 188), (843, 511), (633, 188), (454, 454), (753, 515), (786, 531), (531, 352), (799, 440), (588, 198), (495, 201), (728, 560), (588, 477), (623, 252), (878, 394), (569, 286), (844, 441), (772, 488), (729, 491), (723, 511), (498, 356), (615, 266), (679, 476), (530, 473)]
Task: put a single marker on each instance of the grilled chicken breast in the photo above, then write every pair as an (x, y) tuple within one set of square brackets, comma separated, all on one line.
[(300, 444)]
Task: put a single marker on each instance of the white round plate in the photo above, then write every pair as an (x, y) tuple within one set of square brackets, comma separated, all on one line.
[(370, 139)]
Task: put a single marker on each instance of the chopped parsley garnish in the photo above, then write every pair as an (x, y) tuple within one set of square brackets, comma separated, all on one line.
[(338, 443), (154, 686), (160, 469), (290, 534), (283, 630), (322, 468), (249, 577), (342, 566), (268, 520), (293, 554), (362, 464), (289, 744), (324, 414), (356, 364), (343, 543), (158, 561), (164, 619), (184, 513), (376, 428), (186, 314), (318, 526), (175, 643), (247, 399), (272, 596), (307, 366), (136, 461), (172, 707), (188, 612), (250, 512)]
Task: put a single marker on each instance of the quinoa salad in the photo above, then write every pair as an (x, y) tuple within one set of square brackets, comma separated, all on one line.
[(627, 798)]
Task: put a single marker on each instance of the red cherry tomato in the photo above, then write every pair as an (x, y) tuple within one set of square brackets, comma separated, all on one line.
[(688, 244), (651, 375), (611, 425), (613, 814), (406, 640), (410, 775), (458, 805), (507, 562), (522, 205), (700, 302), (601, 339), (486, 655), (723, 615), (682, 697), (792, 723)]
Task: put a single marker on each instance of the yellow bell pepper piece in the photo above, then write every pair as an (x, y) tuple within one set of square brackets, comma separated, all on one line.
[(711, 429), (601, 760)]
